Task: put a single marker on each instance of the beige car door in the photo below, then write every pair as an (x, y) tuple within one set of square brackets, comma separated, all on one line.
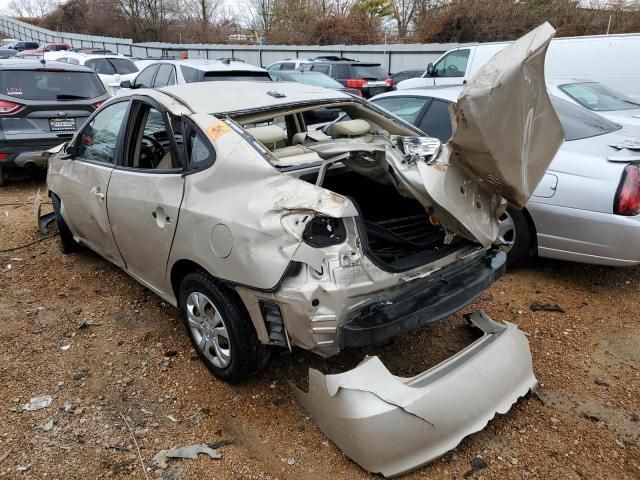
[(84, 180), (145, 193)]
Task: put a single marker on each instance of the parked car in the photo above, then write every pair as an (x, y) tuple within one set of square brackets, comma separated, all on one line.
[(584, 209), (40, 107), (321, 241), (46, 48), (610, 59), (405, 75), (7, 53), (291, 64), (6, 42), (21, 46), (112, 69), (369, 78), (317, 79), (594, 96), (172, 72)]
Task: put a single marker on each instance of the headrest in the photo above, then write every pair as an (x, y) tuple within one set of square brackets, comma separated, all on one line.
[(350, 128), (268, 135)]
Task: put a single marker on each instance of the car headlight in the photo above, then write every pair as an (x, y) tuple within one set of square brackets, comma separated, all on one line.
[(324, 232)]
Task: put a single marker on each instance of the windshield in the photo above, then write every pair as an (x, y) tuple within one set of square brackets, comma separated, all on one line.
[(312, 78), (579, 123), (407, 108), (597, 97), (50, 85), (369, 72), (234, 76)]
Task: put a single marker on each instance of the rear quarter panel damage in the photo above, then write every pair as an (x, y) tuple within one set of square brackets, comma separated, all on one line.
[(264, 210)]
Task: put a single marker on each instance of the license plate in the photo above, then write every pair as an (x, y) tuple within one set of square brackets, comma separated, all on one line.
[(62, 124), (377, 90)]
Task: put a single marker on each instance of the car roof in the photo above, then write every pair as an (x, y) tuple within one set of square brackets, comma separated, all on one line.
[(29, 64), (206, 65), (90, 56), (239, 96), (448, 92)]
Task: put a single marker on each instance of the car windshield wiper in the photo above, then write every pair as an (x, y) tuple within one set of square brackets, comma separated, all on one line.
[(68, 96)]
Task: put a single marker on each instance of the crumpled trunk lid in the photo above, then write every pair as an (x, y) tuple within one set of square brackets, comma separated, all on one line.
[(506, 135)]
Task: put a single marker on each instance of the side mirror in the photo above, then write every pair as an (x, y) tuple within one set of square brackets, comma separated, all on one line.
[(431, 70), (125, 84)]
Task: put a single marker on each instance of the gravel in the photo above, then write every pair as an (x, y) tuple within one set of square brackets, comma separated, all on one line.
[(133, 359)]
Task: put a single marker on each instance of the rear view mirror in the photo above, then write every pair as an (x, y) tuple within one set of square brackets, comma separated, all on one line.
[(431, 70), (125, 84)]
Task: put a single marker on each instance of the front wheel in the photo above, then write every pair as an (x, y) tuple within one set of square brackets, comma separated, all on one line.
[(67, 243), (220, 328), (515, 237)]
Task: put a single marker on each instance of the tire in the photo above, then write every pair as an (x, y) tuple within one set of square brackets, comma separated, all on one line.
[(3, 177), (516, 237), (209, 311), (67, 243)]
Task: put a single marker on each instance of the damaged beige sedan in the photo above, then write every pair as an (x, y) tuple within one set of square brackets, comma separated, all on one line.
[(265, 232)]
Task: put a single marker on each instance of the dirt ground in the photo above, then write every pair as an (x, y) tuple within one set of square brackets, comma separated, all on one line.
[(106, 349)]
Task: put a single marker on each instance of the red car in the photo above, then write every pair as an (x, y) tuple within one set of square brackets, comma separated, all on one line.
[(47, 47)]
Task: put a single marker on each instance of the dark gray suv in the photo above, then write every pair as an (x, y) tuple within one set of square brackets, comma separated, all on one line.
[(41, 106)]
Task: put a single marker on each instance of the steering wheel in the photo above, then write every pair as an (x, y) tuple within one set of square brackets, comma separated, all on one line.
[(151, 152), (452, 70)]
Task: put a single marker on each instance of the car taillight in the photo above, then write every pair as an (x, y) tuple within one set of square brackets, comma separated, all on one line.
[(4, 156), (97, 105), (7, 108), (627, 199), (389, 82), (356, 83)]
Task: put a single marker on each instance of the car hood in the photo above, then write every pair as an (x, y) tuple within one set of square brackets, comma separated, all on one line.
[(506, 133)]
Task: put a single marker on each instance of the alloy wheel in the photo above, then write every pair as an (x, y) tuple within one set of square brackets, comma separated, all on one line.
[(506, 232), (208, 329)]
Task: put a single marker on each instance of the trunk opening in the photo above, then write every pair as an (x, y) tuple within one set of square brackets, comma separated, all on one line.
[(395, 231)]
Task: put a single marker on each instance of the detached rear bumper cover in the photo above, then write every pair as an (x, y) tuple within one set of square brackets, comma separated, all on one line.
[(392, 425)]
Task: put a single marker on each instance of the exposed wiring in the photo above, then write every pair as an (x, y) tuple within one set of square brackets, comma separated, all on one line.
[(28, 244)]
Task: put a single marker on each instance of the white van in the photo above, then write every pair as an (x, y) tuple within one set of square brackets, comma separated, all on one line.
[(609, 59)]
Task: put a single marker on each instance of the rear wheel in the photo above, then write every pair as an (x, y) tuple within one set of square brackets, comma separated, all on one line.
[(2, 177), (220, 328), (515, 237), (67, 243)]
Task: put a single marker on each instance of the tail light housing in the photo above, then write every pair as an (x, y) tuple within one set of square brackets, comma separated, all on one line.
[(627, 199), (324, 232), (7, 108), (356, 83), (389, 82), (4, 156)]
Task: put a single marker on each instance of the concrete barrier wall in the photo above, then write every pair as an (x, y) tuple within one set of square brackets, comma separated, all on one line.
[(393, 57)]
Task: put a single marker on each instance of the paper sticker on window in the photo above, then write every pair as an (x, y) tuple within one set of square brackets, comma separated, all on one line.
[(216, 130), (14, 91)]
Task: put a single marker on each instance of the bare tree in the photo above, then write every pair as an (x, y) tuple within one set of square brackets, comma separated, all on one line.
[(403, 13), (31, 8)]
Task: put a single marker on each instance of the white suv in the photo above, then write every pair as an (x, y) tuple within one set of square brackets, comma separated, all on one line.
[(112, 69), (176, 72)]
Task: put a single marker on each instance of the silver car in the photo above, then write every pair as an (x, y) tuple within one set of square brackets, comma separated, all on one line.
[(586, 206)]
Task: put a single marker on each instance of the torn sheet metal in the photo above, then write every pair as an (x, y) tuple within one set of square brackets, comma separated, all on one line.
[(507, 132), (392, 425)]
